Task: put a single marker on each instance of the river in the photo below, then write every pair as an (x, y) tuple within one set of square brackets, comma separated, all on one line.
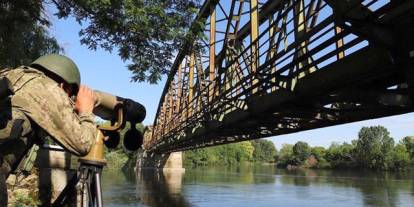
[(258, 185)]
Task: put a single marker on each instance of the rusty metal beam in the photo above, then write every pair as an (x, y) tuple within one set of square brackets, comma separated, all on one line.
[(339, 43), (212, 57), (191, 86), (203, 14), (254, 34), (179, 88)]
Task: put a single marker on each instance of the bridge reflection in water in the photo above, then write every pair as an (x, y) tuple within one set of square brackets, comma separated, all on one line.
[(151, 188), (246, 186), (161, 188)]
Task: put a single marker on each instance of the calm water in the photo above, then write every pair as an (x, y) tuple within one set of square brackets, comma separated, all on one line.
[(258, 186)]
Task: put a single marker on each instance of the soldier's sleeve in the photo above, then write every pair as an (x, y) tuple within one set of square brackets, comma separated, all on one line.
[(51, 108)]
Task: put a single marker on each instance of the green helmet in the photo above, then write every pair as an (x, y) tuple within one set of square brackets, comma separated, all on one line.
[(61, 66)]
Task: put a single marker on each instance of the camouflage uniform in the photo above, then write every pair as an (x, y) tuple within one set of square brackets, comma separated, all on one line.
[(41, 107)]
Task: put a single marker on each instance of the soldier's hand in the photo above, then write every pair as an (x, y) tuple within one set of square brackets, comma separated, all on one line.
[(85, 100)]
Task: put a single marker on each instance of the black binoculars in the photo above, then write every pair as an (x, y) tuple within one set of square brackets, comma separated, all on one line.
[(118, 111)]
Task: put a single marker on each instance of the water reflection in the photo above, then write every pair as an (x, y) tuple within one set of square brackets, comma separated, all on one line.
[(241, 174), (159, 188), (119, 188), (253, 185), (378, 189)]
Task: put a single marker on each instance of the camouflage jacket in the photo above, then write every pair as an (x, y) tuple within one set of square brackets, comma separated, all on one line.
[(40, 99)]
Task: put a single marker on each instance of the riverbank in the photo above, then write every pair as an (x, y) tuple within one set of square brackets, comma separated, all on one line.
[(230, 154), (374, 149)]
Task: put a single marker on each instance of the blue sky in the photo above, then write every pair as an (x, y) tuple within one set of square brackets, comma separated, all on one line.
[(104, 71)]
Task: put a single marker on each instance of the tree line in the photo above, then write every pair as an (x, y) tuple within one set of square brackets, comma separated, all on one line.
[(247, 151), (374, 149)]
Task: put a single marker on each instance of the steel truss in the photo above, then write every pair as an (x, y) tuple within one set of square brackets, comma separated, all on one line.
[(274, 67)]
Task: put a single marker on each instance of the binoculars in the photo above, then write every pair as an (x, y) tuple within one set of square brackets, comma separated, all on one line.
[(119, 111)]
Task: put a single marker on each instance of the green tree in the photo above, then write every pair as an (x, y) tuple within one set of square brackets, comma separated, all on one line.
[(319, 153), (301, 151), (199, 157), (341, 155), (246, 151), (264, 150), (374, 147), (285, 154), (146, 33), (409, 145), (23, 33), (220, 155), (400, 157)]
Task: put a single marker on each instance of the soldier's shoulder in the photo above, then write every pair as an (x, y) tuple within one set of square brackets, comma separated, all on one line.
[(23, 68), (17, 73), (30, 81)]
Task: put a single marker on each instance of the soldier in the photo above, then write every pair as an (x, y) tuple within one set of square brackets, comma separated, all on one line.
[(41, 106)]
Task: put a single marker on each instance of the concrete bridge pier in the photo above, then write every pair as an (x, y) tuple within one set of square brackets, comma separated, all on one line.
[(166, 162)]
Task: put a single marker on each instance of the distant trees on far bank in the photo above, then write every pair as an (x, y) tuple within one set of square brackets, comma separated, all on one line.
[(374, 149), (247, 151)]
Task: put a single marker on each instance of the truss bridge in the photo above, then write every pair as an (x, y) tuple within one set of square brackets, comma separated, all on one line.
[(267, 68)]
